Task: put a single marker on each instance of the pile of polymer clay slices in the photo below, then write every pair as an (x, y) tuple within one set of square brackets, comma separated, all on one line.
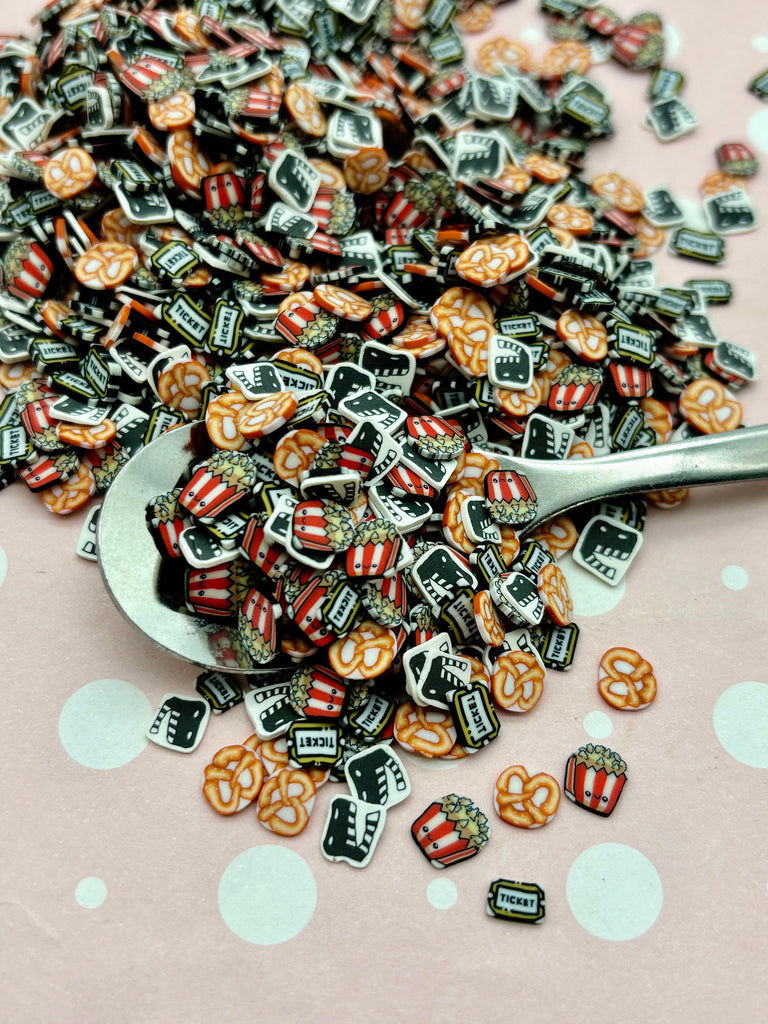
[(373, 273)]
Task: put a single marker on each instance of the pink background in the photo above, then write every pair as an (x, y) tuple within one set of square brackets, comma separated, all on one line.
[(158, 947)]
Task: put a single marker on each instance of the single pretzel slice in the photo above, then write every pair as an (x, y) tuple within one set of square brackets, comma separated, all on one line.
[(625, 195), (69, 173), (488, 620), (584, 334), (175, 111), (425, 730), (626, 680), (517, 681), (475, 18), (285, 802), (553, 590), (106, 265), (81, 436), (180, 386), (365, 652), (220, 416), (573, 218), (707, 404), (294, 453), (367, 170), (343, 303), (304, 107), (72, 494), (265, 415), (526, 801), (233, 779), (501, 52), (188, 163)]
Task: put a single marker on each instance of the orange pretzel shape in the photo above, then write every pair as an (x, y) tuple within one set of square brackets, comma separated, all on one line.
[(517, 681), (626, 681), (427, 731), (233, 779), (285, 802), (527, 801), (368, 636), (294, 453)]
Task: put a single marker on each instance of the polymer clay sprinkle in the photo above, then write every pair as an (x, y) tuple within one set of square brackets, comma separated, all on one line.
[(372, 274)]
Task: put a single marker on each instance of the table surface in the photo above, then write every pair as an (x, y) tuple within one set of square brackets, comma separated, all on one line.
[(125, 898)]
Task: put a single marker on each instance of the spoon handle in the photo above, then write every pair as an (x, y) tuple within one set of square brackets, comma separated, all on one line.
[(717, 458)]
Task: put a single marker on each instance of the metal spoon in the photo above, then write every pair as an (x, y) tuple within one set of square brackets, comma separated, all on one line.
[(130, 563)]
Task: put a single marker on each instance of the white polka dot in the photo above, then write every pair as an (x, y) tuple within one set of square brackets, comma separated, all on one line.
[(740, 719), (90, 892), (734, 577), (671, 42), (442, 893), (597, 725), (590, 595), (103, 724), (531, 35), (267, 895), (3, 566), (760, 43), (757, 130), (614, 891)]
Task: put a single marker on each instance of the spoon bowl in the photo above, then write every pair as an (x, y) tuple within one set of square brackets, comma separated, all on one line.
[(131, 565)]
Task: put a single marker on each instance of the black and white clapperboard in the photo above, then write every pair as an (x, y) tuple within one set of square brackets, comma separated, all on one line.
[(86, 543), (377, 776), (362, 249), (390, 368), (26, 124), (270, 710), (493, 99), (351, 130), (415, 660), (285, 220), (358, 11), (478, 525), (344, 379), (520, 598), (151, 207), (406, 513), (510, 363), (370, 405), (477, 155), (546, 438), (352, 830), (661, 208), (254, 380), (440, 677), (180, 722), (735, 359), (200, 548), (730, 213), (670, 119), (435, 473), (439, 573), (294, 180), (606, 548)]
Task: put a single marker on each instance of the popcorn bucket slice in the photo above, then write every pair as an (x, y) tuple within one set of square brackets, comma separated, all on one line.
[(595, 777), (450, 830)]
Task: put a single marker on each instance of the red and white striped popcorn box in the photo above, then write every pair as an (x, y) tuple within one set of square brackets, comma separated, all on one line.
[(594, 778)]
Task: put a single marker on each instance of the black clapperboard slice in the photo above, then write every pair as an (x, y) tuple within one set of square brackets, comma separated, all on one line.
[(606, 548), (352, 830)]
